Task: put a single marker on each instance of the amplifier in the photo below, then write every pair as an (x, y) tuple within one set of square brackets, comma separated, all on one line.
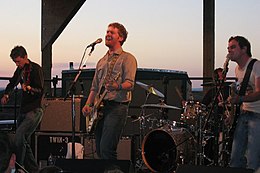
[(54, 143), (126, 149)]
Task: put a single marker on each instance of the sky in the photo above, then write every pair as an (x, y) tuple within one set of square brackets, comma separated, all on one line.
[(163, 34)]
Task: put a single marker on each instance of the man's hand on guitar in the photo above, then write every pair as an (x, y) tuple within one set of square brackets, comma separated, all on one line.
[(86, 110), (4, 99), (236, 99)]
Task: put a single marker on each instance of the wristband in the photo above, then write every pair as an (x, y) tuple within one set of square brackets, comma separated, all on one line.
[(88, 105)]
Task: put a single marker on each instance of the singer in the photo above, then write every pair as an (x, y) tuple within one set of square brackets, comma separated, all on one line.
[(246, 141), (30, 76), (114, 80)]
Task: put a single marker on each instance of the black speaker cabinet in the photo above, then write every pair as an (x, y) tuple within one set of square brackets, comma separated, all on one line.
[(211, 169), (58, 115), (126, 149), (94, 165), (54, 143)]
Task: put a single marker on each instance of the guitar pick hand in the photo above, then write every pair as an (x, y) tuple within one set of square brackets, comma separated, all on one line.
[(86, 110)]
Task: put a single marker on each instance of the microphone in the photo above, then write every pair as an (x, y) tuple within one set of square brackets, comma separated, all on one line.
[(94, 43), (225, 66)]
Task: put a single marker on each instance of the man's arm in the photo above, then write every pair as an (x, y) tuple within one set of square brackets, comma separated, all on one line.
[(254, 96), (90, 101)]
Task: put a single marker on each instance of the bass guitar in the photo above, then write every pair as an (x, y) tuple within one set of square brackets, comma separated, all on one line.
[(95, 115)]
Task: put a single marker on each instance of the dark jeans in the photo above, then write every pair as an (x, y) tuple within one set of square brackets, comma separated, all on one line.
[(27, 124), (246, 144), (109, 129)]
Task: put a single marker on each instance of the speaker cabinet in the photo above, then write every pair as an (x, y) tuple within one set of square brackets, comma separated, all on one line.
[(58, 115), (94, 166), (211, 169), (54, 143), (125, 149)]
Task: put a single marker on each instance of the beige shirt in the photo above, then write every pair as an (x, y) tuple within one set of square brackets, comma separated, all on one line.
[(126, 65)]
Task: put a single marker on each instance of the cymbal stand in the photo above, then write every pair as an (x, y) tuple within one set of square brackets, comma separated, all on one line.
[(224, 152), (202, 137), (141, 118), (200, 141)]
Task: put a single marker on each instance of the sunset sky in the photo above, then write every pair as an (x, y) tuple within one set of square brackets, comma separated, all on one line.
[(163, 34)]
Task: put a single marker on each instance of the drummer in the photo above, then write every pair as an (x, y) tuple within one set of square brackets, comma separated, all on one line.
[(219, 81)]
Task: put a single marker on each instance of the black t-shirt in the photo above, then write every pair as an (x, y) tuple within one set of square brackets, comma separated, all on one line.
[(32, 75)]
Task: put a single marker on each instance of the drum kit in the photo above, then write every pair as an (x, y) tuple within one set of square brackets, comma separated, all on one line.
[(171, 143)]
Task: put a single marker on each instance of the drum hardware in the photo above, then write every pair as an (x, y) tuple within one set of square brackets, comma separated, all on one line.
[(154, 122), (142, 118), (193, 118), (215, 119)]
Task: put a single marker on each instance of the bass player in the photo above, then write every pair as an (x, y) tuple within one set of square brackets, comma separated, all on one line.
[(246, 141)]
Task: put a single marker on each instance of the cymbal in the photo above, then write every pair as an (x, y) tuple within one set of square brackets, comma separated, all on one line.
[(164, 106), (150, 89), (216, 84)]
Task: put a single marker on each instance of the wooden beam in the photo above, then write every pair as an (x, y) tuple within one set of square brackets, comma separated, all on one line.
[(56, 14)]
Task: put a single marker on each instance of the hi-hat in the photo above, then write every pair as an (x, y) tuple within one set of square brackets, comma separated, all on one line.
[(216, 84), (150, 89), (164, 106)]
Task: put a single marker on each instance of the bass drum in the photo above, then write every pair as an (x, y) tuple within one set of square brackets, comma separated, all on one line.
[(164, 149)]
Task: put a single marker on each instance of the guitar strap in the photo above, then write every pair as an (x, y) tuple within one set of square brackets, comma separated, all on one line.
[(244, 83), (242, 92), (111, 65)]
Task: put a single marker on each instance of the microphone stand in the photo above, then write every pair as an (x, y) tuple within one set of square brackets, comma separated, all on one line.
[(214, 108), (71, 92), (165, 84), (15, 107)]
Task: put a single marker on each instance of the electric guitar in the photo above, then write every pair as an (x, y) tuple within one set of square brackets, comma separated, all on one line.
[(95, 115), (236, 112)]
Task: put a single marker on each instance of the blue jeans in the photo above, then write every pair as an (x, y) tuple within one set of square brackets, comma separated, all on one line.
[(26, 125), (246, 144), (109, 129)]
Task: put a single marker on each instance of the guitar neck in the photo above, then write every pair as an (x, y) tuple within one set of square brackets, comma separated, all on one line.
[(100, 99)]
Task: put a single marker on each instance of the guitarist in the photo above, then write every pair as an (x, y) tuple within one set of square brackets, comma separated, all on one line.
[(30, 75), (109, 128), (246, 141)]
